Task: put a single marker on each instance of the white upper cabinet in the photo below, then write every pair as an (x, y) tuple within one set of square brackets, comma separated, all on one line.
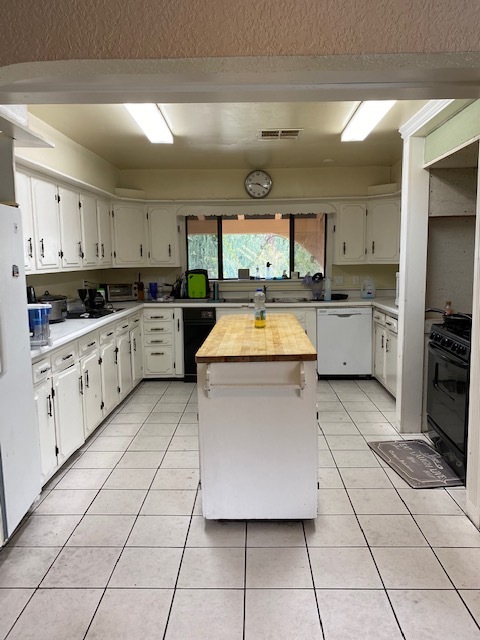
[(129, 235), (383, 226), (162, 236), (23, 196), (46, 224), (368, 233), (70, 229), (105, 248), (350, 230), (90, 243)]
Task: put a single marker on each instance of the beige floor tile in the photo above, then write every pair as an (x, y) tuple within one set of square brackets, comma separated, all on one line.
[(165, 430), (98, 460), (449, 531), (278, 568), (421, 614), (25, 567), (206, 614), (355, 459), (327, 417), (325, 460), (110, 443), (125, 614), (187, 430), (138, 417), (184, 443), (212, 568), (159, 531), (130, 479), (140, 460), (57, 613), (166, 502), (359, 405), (176, 479), (149, 443), (462, 565), (334, 502), (377, 501), (66, 502), (84, 479), (339, 429), (377, 429), (355, 478), (101, 531), (216, 533), (45, 531), (12, 601), (180, 460), (82, 567), (147, 568), (349, 614), (282, 614), (275, 534), (343, 568), (121, 430), (429, 501), (117, 502), (349, 443), (366, 416), (472, 600), (170, 407), (334, 531), (413, 568), (329, 478), (392, 531)]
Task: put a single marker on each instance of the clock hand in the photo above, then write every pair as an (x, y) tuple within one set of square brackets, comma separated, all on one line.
[(257, 184)]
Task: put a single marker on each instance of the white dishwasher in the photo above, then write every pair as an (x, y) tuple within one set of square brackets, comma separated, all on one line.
[(344, 341)]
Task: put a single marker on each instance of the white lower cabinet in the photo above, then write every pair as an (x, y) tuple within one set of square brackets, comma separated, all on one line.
[(124, 364), (92, 383), (108, 370), (136, 348), (385, 350), (163, 341), (46, 427), (67, 402)]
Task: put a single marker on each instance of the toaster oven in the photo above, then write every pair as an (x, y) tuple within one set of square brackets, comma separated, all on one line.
[(121, 292)]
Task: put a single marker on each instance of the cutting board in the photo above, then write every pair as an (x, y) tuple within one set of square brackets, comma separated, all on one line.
[(196, 285)]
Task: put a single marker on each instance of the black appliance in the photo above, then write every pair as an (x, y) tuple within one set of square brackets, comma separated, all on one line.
[(197, 324), (448, 389)]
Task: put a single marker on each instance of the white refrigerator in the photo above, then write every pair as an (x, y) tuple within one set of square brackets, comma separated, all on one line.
[(20, 480)]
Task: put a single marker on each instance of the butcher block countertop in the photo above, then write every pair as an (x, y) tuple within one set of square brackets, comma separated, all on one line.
[(235, 339)]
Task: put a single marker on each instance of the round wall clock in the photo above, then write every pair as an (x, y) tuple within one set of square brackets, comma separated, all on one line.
[(258, 184)]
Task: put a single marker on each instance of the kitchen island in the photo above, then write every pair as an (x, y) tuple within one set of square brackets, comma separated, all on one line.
[(257, 420)]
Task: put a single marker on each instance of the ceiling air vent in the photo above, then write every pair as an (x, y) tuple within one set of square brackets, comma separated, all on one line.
[(279, 134)]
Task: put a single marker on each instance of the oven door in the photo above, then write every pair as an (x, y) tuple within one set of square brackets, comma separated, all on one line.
[(447, 395)]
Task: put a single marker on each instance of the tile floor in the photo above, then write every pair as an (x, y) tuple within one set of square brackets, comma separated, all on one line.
[(117, 548)]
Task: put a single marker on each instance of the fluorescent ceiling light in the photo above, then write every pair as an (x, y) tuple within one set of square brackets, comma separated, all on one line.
[(365, 119), (151, 121)]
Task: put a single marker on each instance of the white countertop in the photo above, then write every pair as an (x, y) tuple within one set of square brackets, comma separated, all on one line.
[(64, 332)]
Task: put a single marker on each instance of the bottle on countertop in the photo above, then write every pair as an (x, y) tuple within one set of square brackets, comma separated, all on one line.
[(268, 274), (140, 289), (368, 288), (257, 273), (327, 289), (448, 308), (260, 313), (284, 275)]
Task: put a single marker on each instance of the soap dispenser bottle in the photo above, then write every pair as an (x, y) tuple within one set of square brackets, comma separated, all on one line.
[(368, 288), (327, 289)]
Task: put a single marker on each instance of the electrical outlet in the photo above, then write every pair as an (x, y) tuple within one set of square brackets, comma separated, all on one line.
[(338, 280), (356, 280)]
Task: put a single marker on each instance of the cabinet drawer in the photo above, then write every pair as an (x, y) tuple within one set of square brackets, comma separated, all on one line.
[(391, 323), (379, 317), (107, 334), (88, 343), (134, 321), (41, 370), (64, 357), (158, 360), (158, 339), (158, 328), (121, 327), (157, 314)]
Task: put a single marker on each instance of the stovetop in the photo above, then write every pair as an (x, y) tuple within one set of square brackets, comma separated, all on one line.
[(91, 313), (454, 339)]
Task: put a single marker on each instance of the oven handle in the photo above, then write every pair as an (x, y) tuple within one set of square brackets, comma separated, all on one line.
[(451, 359)]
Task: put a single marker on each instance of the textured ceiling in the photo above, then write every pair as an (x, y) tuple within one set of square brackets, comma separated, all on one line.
[(224, 135)]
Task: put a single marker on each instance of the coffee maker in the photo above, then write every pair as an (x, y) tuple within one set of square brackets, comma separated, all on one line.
[(94, 302)]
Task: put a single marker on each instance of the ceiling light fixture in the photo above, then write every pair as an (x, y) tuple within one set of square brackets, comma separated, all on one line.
[(152, 122), (365, 119)]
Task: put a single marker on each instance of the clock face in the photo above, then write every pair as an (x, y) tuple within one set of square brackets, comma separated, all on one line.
[(258, 184)]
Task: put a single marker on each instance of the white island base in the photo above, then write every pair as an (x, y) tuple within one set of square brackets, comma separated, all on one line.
[(258, 439)]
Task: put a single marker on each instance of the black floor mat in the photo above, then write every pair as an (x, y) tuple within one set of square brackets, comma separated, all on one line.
[(417, 463)]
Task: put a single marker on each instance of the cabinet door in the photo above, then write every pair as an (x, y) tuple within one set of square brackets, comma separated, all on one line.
[(68, 411), (350, 233), (70, 228), (137, 354), (90, 241), (92, 392), (383, 226), (162, 236), (158, 361), (129, 235), (23, 196), (46, 428), (124, 365), (104, 234), (379, 353), (391, 362), (178, 342), (46, 222), (108, 356)]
